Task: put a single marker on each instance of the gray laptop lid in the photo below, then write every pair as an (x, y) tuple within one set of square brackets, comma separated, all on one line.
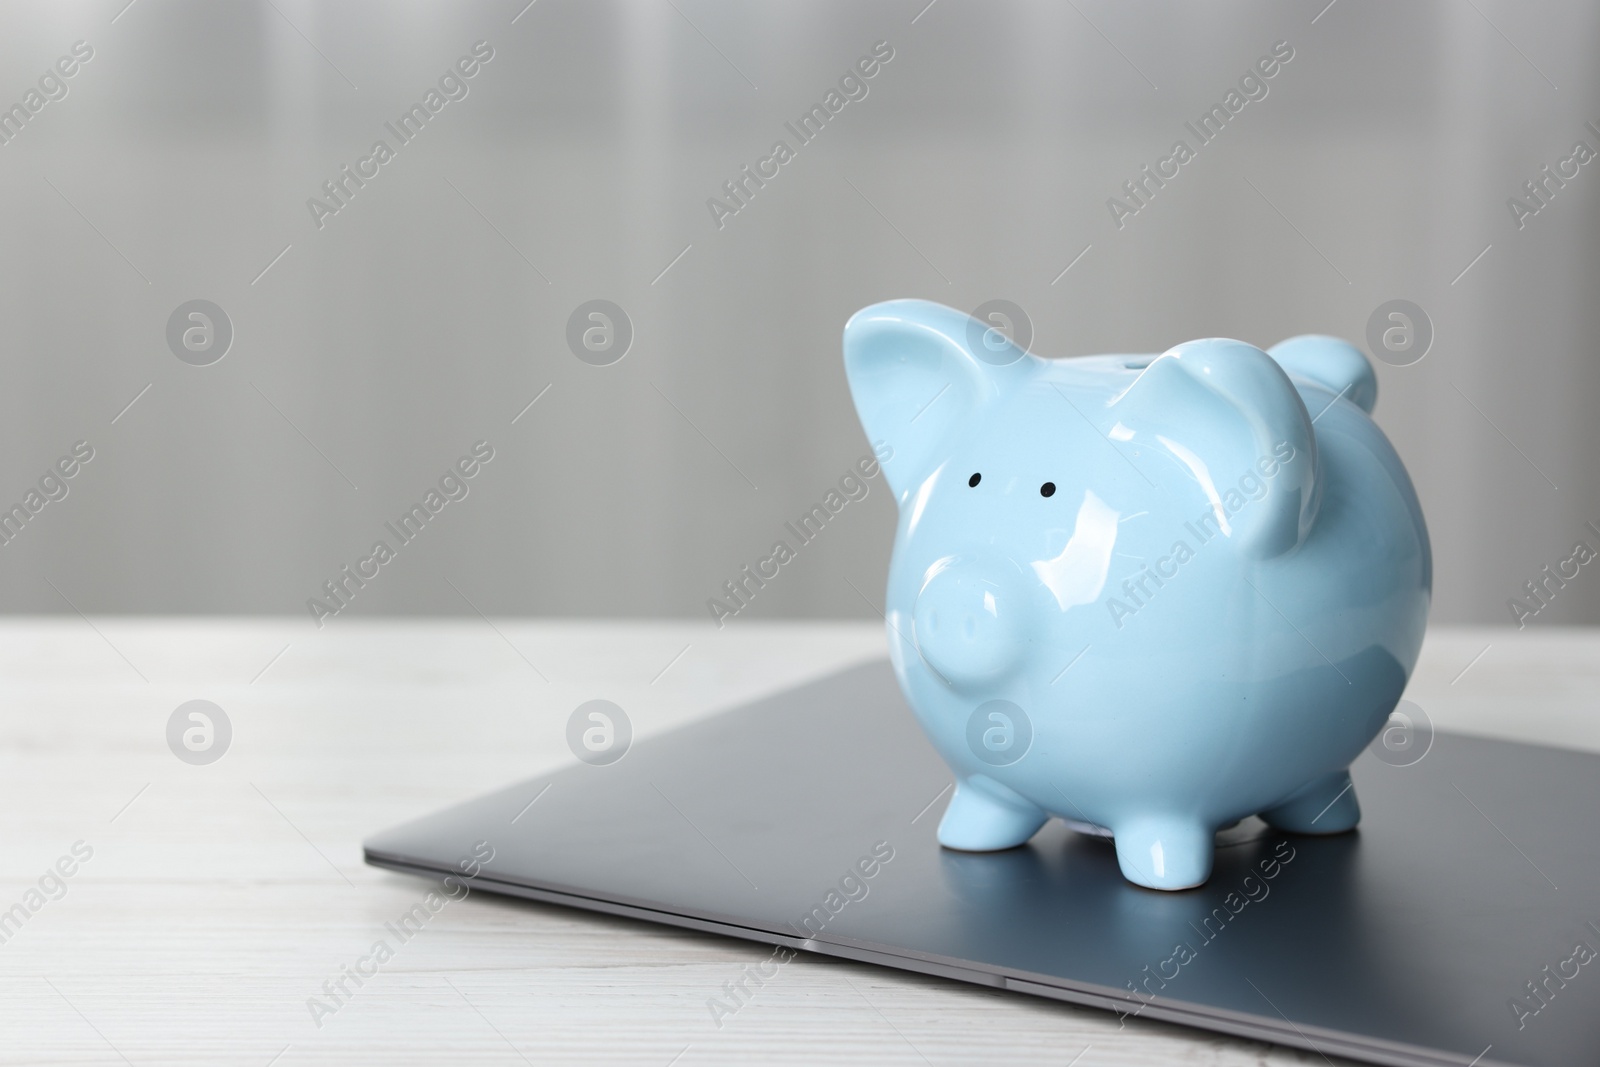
[(1457, 925)]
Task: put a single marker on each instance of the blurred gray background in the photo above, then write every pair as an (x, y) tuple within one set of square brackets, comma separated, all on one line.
[(371, 352)]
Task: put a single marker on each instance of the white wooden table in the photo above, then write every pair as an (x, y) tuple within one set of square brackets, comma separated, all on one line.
[(220, 898)]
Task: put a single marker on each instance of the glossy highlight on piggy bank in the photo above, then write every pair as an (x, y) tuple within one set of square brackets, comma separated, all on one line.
[(1149, 595)]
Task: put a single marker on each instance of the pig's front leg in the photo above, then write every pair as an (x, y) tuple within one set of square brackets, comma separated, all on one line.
[(985, 816), (1164, 851), (1326, 806)]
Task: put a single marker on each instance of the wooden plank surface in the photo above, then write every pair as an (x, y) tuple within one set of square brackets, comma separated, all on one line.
[(219, 899)]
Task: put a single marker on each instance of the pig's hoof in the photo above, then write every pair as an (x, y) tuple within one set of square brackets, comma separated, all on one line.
[(1326, 806), (980, 820), (1164, 853)]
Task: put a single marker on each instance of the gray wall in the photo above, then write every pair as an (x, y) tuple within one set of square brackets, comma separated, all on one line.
[(427, 312)]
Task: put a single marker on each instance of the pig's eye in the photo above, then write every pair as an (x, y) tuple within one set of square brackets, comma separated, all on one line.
[(1047, 489), (974, 480)]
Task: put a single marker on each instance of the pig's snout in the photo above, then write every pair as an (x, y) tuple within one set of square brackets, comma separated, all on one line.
[(970, 620)]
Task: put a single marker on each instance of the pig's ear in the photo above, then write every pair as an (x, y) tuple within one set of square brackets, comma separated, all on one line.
[(916, 381), (1226, 412), (1338, 366)]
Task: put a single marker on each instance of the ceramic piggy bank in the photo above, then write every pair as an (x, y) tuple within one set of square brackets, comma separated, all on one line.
[(1151, 595)]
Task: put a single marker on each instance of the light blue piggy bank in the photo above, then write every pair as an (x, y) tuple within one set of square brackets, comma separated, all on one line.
[(1151, 595)]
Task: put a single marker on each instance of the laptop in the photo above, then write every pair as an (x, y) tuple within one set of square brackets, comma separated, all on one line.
[(1460, 924)]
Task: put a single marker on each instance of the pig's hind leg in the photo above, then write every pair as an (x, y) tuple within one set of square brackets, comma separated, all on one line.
[(985, 816), (1326, 806)]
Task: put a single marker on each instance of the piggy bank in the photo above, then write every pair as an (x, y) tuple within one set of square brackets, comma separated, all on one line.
[(1150, 595)]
